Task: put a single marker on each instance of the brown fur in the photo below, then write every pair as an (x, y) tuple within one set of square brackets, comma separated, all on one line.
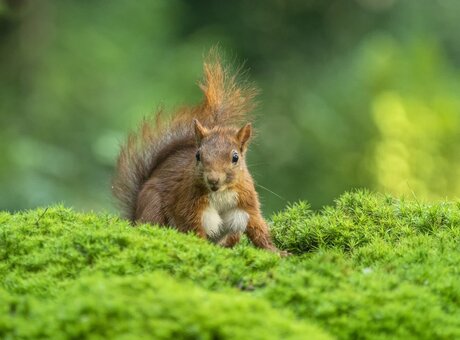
[(158, 178)]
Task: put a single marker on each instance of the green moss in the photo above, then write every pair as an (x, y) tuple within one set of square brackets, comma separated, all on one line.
[(360, 218), (150, 305), (68, 274), (374, 266), (370, 267)]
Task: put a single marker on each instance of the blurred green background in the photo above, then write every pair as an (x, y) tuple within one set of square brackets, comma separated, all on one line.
[(360, 93)]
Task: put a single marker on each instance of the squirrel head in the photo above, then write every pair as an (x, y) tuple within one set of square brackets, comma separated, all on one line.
[(220, 158)]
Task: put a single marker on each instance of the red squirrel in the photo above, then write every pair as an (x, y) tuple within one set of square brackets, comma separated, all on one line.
[(189, 171)]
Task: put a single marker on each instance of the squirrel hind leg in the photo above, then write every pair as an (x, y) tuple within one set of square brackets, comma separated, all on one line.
[(149, 208)]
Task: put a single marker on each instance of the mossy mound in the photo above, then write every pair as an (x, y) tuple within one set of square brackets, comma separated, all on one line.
[(360, 218), (69, 275), (147, 305), (370, 267)]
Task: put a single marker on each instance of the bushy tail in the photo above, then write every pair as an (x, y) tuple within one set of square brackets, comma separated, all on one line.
[(227, 102), (228, 99)]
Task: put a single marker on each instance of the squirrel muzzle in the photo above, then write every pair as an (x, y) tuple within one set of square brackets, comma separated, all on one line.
[(214, 180)]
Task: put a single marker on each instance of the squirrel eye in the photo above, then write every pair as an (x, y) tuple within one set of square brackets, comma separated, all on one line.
[(235, 157), (198, 156)]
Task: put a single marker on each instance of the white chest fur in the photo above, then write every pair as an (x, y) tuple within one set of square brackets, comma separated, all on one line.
[(222, 216)]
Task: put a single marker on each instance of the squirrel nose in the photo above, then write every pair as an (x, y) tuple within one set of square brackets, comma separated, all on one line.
[(212, 180)]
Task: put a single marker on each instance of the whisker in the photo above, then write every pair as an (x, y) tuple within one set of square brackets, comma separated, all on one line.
[(256, 164), (274, 193)]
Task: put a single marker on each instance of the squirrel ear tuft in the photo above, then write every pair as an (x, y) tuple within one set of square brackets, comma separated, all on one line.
[(200, 131), (243, 136)]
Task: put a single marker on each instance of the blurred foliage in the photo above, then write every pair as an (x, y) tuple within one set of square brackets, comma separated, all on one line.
[(354, 93)]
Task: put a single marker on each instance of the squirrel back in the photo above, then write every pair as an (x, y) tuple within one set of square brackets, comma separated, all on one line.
[(227, 103)]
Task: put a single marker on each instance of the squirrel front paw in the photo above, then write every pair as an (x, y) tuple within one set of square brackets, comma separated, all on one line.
[(281, 253), (284, 253)]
